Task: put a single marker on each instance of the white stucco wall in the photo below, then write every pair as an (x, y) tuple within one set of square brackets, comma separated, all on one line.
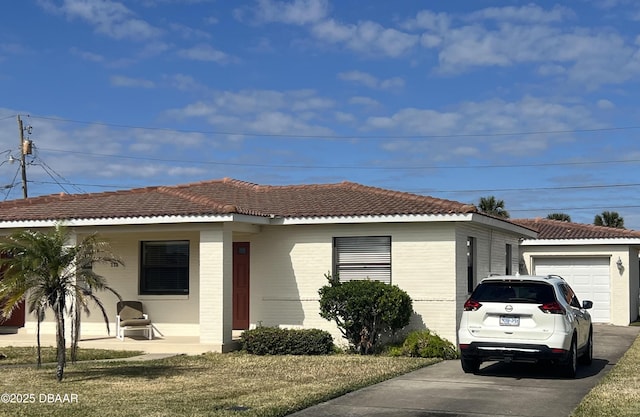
[(490, 258), (288, 264)]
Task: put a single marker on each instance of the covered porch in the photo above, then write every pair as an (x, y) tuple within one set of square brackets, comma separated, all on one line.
[(188, 345)]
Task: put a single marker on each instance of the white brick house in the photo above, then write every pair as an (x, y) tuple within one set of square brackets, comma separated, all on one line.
[(212, 257)]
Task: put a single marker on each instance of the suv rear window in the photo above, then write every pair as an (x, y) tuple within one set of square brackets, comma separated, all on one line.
[(514, 292)]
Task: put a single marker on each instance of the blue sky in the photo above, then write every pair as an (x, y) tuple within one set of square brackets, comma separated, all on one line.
[(534, 103)]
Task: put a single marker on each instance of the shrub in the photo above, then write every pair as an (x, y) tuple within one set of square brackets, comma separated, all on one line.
[(276, 341), (364, 310), (424, 344)]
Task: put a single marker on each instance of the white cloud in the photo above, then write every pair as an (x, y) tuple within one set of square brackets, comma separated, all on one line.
[(368, 80), (429, 40), (261, 111), (187, 32), (417, 121), (366, 37), (392, 83), (312, 103), (360, 77), (184, 82), (87, 55), (527, 114), (605, 104), (297, 12), (551, 69), (530, 34), (204, 52), (426, 19), (364, 101), (108, 17), (497, 119), (343, 117), (528, 13), (123, 81), (211, 20), (588, 57)]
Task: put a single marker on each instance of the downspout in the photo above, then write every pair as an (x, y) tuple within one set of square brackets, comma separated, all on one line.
[(490, 250)]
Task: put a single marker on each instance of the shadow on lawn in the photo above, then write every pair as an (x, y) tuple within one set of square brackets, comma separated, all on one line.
[(142, 370)]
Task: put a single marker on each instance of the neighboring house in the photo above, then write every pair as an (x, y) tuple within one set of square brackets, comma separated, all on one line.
[(212, 257), (600, 263)]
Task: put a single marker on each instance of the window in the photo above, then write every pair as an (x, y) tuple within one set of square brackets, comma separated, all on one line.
[(570, 296), (514, 292), (164, 267), (509, 259), (471, 264), (363, 257)]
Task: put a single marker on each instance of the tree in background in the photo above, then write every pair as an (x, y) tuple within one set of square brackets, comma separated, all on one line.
[(43, 268), (563, 217), (492, 206), (609, 219)]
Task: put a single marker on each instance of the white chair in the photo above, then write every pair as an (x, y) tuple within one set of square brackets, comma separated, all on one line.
[(131, 316)]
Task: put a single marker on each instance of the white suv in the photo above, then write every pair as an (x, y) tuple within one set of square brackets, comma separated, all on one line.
[(525, 319)]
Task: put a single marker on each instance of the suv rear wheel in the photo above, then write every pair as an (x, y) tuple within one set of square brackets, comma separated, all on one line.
[(470, 366), (571, 366), (587, 356)]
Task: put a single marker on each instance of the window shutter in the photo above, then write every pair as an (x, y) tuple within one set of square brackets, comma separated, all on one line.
[(363, 257)]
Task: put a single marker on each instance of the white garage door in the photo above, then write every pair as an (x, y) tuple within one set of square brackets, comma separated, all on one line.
[(589, 278)]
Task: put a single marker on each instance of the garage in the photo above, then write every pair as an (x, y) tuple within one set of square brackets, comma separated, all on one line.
[(589, 278)]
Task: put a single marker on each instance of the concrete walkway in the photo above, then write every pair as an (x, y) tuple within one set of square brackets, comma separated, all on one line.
[(164, 344)]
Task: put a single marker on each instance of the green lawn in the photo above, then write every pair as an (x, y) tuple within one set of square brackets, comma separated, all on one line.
[(618, 394), (207, 385)]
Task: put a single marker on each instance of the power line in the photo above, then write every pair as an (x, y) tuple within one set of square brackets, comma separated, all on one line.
[(570, 187), (349, 167), (592, 208), (307, 136)]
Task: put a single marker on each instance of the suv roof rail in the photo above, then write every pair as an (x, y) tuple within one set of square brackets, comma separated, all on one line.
[(555, 276)]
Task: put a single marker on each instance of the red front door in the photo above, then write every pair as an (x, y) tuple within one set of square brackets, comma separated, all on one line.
[(17, 317), (240, 285)]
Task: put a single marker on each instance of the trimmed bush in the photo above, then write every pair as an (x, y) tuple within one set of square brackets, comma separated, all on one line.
[(364, 310), (276, 341), (424, 344)]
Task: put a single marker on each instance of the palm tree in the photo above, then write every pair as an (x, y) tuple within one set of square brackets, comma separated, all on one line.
[(43, 269), (609, 219), (490, 205), (559, 216)]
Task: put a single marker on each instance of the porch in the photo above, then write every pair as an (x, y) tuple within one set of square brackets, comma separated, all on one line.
[(188, 345)]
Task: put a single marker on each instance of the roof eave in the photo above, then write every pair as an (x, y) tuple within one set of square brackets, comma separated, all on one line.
[(129, 221), (586, 241), (504, 225)]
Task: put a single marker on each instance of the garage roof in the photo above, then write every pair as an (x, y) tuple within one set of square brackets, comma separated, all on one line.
[(557, 229)]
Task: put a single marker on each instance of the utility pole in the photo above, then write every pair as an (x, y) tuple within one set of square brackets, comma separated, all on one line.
[(25, 149)]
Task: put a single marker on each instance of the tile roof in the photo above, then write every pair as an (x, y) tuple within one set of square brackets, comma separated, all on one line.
[(557, 229), (218, 197)]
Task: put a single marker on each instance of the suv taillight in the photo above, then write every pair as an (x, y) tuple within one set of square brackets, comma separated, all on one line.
[(553, 307), (471, 305)]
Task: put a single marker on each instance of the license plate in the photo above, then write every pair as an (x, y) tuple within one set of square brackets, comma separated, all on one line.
[(509, 321)]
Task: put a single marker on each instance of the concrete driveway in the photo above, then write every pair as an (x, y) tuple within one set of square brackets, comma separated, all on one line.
[(443, 390)]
